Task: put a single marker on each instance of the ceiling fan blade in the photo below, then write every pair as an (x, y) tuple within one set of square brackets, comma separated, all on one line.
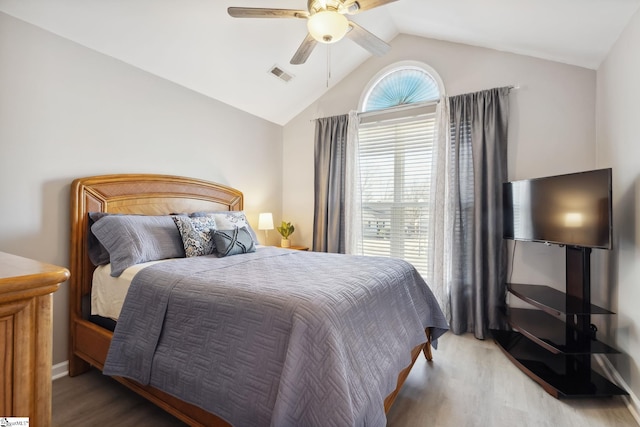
[(257, 12), (305, 49), (367, 40), (357, 6)]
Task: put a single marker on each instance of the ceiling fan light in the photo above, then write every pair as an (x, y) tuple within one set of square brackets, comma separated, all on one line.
[(327, 26)]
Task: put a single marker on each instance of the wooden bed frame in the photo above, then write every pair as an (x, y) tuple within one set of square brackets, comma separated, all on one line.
[(150, 195)]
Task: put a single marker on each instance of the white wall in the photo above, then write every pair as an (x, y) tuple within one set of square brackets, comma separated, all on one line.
[(618, 146), (68, 112), (552, 127)]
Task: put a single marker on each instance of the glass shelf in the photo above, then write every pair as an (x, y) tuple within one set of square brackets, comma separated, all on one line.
[(554, 334), (553, 301), (552, 371)]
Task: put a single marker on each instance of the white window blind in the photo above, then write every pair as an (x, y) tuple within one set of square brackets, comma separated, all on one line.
[(395, 155)]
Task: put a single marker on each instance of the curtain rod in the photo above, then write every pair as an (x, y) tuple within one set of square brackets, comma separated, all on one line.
[(408, 106)]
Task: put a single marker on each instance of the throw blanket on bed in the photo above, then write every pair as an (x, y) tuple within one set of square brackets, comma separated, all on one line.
[(275, 337)]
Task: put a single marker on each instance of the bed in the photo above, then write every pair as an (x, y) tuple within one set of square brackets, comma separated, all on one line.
[(298, 389)]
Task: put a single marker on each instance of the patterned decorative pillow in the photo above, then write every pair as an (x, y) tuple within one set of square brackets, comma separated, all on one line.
[(235, 241), (197, 234), (226, 220)]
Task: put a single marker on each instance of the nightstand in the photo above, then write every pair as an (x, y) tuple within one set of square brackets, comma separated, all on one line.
[(298, 248)]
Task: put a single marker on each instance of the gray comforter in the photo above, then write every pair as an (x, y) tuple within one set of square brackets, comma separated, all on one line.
[(275, 337)]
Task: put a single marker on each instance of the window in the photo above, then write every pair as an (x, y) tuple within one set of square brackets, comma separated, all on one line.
[(396, 141), (401, 85)]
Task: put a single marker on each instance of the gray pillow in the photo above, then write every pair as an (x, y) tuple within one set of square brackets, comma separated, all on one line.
[(236, 241), (98, 254), (196, 234), (134, 239)]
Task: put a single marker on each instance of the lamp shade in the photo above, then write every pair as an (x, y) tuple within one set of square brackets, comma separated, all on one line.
[(265, 221), (327, 26)]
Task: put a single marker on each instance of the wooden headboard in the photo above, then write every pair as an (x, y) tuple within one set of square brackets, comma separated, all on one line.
[(134, 194)]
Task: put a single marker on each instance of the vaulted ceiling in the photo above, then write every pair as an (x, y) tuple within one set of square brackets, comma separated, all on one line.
[(196, 44)]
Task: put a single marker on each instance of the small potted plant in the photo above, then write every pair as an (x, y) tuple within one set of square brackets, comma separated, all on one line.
[(285, 230)]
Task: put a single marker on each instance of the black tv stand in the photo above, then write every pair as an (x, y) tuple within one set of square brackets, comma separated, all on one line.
[(553, 343)]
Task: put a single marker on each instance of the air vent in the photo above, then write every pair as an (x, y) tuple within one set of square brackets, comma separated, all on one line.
[(280, 73)]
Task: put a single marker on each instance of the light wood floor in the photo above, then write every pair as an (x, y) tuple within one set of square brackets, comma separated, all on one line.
[(469, 383)]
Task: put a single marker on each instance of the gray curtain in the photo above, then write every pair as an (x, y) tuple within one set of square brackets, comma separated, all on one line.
[(329, 187), (477, 169)]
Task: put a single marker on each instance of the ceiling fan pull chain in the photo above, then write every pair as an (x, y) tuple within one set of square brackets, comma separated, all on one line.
[(328, 64)]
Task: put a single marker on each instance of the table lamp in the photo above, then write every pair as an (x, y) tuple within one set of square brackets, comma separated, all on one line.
[(265, 222)]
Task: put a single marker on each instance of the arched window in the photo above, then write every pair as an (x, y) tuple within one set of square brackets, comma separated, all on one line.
[(396, 134), (401, 84)]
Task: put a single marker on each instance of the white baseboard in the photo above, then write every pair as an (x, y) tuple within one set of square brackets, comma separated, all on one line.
[(633, 404), (60, 370)]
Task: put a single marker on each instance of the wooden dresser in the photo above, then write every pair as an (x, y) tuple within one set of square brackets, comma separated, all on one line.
[(26, 294)]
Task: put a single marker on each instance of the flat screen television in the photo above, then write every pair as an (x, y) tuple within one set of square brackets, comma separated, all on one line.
[(571, 210)]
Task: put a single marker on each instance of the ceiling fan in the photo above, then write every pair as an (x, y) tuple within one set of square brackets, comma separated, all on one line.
[(326, 22)]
